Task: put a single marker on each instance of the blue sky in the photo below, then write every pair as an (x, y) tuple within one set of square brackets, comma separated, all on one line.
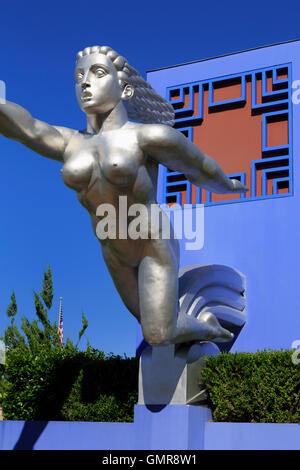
[(41, 219)]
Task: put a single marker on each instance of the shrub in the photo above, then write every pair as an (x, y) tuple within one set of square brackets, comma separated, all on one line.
[(43, 379), (69, 385), (259, 387)]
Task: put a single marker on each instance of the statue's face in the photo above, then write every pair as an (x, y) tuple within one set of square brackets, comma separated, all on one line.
[(97, 86)]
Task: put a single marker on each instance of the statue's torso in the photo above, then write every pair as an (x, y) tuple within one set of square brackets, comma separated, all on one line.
[(100, 168)]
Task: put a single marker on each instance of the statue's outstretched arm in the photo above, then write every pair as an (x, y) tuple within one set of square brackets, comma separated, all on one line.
[(49, 141), (172, 149)]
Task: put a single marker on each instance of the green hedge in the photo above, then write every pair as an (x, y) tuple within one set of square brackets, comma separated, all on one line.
[(69, 385), (261, 387)]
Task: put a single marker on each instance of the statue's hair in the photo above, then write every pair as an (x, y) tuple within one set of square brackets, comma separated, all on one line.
[(146, 106)]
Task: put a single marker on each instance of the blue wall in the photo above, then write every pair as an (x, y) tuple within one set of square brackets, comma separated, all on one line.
[(260, 237), (176, 427)]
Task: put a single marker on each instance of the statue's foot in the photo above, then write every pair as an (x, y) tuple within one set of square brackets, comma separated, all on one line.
[(215, 331)]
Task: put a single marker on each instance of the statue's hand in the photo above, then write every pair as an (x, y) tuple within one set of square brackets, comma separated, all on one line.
[(238, 187)]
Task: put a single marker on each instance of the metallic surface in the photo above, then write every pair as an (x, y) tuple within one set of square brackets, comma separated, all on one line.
[(217, 289), (172, 375), (115, 157)]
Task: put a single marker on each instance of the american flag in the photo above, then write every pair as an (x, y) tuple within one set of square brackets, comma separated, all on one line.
[(60, 322)]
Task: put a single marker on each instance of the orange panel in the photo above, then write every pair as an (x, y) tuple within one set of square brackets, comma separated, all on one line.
[(277, 133), (232, 136), (225, 137), (269, 84), (228, 92), (258, 91)]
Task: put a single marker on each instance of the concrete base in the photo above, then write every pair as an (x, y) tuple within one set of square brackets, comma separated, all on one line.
[(172, 374), (174, 427)]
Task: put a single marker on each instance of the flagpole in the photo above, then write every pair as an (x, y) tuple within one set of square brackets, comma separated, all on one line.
[(60, 322)]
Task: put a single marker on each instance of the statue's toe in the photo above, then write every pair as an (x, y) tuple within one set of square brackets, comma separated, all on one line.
[(218, 333)]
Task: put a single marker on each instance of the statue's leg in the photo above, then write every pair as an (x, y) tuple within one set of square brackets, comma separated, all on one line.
[(125, 279), (158, 300), (158, 292)]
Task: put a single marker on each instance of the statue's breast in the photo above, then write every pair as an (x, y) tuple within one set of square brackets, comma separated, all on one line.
[(77, 171), (111, 158), (118, 168)]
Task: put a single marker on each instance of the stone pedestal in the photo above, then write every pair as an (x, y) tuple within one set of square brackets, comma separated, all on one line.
[(172, 374)]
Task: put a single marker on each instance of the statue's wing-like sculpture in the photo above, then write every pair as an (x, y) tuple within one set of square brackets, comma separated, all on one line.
[(217, 289), (176, 369)]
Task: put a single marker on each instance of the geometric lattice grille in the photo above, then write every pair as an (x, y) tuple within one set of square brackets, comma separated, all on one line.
[(244, 122)]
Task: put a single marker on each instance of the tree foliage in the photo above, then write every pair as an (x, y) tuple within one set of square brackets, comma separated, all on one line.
[(40, 332)]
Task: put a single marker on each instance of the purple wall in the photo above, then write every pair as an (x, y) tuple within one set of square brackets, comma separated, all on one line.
[(176, 427)]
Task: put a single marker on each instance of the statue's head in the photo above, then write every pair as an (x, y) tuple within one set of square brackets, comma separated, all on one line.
[(104, 78), (99, 84)]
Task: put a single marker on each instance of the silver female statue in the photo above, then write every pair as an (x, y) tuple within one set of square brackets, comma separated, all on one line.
[(116, 157)]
